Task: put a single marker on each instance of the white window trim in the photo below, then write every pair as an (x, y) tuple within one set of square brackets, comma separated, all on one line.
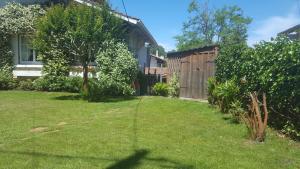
[(34, 62)]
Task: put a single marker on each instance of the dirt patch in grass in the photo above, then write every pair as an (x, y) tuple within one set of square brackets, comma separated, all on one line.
[(62, 123), (38, 129), (52, 131)]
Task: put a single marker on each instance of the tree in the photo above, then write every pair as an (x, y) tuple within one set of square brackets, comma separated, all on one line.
[(77, 32), (116, 71), (207, 26), (160, 49), (199, 30), (231, 25)]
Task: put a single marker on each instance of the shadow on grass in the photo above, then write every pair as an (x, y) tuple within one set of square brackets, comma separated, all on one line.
[(115, 99), (139, 156), (132, 161), (104, 99), (167, 163), (69, 97), (230, 120), (68, 157)]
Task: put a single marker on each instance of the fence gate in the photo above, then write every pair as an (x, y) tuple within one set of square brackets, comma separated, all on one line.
[(194, 73)]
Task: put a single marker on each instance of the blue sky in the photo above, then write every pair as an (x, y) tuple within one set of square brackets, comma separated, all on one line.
[(164, 18)]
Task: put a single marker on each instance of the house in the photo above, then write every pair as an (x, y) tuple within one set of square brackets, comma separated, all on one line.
[(193, 68), (25, 58), (293, 33), (157, 68), (157, 61)]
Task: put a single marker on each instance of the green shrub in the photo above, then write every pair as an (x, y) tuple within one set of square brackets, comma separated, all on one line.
[(94, 91), (116, 63), (56, 63), (73, 84), (116, 71), (270, 67), (211, 83), (290, 130), (58, 84), (226, 93), (236, 110), (7, 81), (160, 89), (26, 85), (41, 84), (101, 89), (226, 96), (174, 86)]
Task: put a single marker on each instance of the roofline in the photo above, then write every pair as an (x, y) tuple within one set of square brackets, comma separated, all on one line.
[(144, 28), (290, 29), (130, 19), (157, 57), (201, 49)]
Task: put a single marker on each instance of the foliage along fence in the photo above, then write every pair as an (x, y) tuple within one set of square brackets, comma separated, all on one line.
[(270, 67)]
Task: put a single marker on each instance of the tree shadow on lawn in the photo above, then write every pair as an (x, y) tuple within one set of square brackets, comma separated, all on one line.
[(128, 162), (69, 97), (104, 99)]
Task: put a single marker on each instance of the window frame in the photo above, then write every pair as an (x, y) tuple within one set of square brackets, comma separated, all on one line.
[(34, 53)]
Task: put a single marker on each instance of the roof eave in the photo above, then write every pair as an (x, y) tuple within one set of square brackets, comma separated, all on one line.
[(158, 58), (201, 49), (290, 30), (147, 32)]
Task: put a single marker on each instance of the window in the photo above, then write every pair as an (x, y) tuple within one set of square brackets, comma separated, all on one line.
[(26, 54)]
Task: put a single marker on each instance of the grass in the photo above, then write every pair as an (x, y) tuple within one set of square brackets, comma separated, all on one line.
[(58, 130)]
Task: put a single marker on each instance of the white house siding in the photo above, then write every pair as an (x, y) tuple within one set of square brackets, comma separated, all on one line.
[(138, 47), (27, 71), (153, 62), (142, 58)]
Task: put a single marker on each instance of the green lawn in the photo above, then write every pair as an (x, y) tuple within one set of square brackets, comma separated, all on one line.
[(57, 130)]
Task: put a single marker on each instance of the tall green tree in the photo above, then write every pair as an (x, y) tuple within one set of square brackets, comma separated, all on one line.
[(199, 29), (161, 50), (78, 32), (207, 26), (231, 25)]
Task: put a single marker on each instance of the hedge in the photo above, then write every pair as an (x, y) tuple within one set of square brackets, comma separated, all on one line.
[(270, 67)]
